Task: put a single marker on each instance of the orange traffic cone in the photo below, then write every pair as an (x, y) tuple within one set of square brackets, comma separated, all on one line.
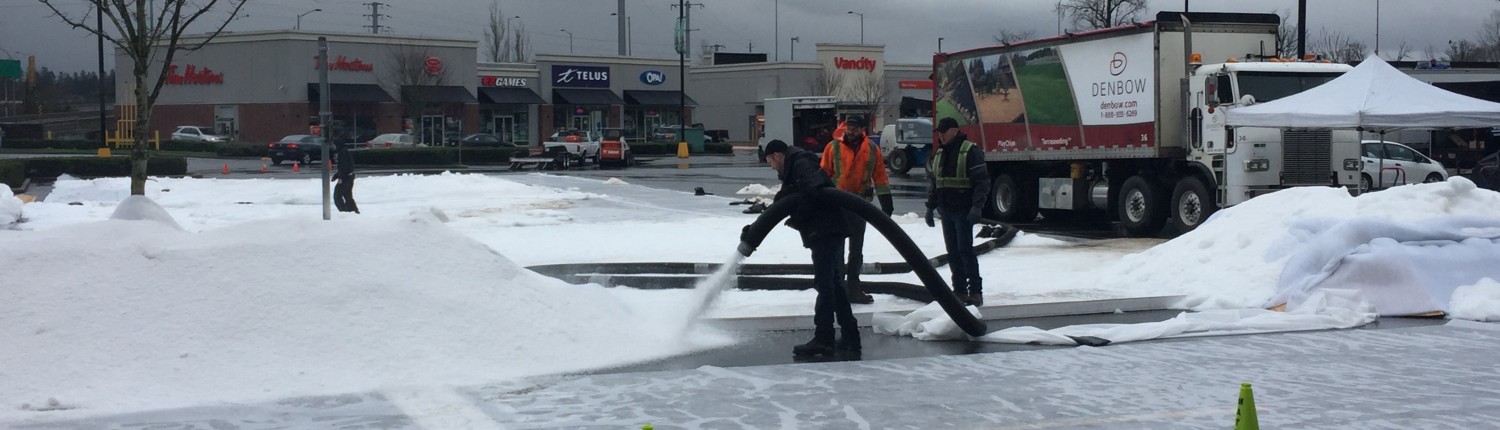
[(263, 168), (296, 167), (226, 168)]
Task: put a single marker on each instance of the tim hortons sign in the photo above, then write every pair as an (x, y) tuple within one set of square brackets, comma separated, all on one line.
[(192, 75), (342, 63)]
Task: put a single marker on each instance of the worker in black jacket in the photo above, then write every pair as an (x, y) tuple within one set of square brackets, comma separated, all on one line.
[(343, 193), (958, 184), (823, 227)]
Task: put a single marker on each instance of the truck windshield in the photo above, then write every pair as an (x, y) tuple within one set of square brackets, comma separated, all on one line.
[(1267, 86)]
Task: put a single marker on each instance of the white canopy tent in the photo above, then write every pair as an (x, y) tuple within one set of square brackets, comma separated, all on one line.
[(1373, 97)]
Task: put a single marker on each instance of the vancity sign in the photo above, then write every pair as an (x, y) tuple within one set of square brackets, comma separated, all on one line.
[(861, 63)]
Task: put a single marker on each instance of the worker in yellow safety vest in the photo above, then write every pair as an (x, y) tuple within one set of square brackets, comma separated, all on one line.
[(957, 186), (855, 165)]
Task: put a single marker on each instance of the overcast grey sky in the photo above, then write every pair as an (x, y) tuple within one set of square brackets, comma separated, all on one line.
[(908, 28)]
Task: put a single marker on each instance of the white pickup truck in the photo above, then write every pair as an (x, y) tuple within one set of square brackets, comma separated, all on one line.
[(564, 149)]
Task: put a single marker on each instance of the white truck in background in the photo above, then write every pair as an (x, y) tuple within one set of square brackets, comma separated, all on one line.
[(794, 119), (1120, 124)]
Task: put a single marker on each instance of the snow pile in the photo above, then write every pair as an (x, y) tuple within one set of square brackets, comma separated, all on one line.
[(616, 181), (10, 207), (760, 190), (1326, 309), (117, 315), (1402, 268), (1479, 302), (1229, 262), (140, 208)]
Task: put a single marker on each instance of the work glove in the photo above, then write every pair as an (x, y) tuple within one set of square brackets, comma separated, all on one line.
[(886, 204), (929, 217), (744, 231), (975, 214)]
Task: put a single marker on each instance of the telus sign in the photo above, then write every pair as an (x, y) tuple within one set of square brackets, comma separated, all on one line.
[(580, 76)]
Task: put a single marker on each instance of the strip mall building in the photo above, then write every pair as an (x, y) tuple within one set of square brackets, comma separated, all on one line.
[(261, 86)]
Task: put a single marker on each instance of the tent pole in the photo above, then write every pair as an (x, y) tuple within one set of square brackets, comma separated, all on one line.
[(1380, 169)]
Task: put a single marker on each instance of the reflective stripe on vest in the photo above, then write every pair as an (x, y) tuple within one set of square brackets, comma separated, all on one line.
[(838, 163), (958, 179)]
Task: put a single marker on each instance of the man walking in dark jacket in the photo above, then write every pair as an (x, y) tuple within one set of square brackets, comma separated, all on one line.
[(343, 193), (823, 227), (958, 184)]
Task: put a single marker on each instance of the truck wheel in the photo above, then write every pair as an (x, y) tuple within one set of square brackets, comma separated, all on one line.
[(1141, 206), (1010, 200), (1192, 203), (306, 159), (900, 161)]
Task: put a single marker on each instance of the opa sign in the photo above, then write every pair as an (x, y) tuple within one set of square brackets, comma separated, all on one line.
[(653, 77)]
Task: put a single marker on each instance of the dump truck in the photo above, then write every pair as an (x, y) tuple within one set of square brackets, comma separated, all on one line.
[(1127, 123)]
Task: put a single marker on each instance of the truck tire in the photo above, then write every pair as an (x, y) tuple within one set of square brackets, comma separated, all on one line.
[(1192, 203), (1141, 206), (1010, 200), (900, 161)]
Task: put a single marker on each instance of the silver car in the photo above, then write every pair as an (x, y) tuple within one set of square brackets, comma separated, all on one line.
[(197, 133)]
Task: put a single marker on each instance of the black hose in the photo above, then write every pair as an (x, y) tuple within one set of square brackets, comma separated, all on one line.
[(888, 228)]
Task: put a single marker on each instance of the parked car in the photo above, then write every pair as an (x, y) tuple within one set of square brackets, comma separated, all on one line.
[(1402, 165), (486, 140), (392, 140), (614, 150), (1486, 173), (197, 133), (301, 148)]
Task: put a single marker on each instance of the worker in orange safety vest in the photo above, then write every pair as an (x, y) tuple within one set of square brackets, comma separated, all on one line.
[(856, 165)]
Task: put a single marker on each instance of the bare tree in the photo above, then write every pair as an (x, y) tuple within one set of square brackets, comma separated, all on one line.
[(147, 34), (504, 43), (1007, 36), (1094, 14), (1463, 50), (408, 73), (1402, 51), (1338, 47), (1489, 37), (1286, 35), (826, 83), (870, 93)]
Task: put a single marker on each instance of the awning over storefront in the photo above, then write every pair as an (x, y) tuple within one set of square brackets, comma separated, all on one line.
[(514, 96), (441, 94), (656, 98), (357, 93), (573, 96)]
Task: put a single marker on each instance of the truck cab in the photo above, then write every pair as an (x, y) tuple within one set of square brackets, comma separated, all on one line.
[(1250, 161)]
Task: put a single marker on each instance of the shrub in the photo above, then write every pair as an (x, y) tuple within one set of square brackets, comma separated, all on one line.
[(14, 171)]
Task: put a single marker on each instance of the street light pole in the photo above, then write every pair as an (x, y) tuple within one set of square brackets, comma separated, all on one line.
[(794, 48), (570, 40), (861, 26), (940, 44), (299, 17)]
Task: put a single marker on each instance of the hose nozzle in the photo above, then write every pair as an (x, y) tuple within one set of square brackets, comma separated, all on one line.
[(746, 249)]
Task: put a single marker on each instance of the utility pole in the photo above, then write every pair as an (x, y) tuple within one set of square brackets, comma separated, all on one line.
[(622, 25), (375, 16), (776, 24), (103, 142), (685, 12)]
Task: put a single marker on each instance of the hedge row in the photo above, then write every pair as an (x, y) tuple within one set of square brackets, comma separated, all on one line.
[(433, 156), (222, 149), (14, 171)]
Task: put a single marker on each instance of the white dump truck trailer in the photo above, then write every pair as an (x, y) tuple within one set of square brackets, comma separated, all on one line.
[(1127, 123)]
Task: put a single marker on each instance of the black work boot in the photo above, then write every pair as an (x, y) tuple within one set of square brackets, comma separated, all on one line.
[(821, 345), (961, 289), (848, 345), (976, 291)]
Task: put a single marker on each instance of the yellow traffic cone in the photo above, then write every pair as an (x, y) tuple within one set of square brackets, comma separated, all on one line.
[(682, 149), (1244, 417)]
